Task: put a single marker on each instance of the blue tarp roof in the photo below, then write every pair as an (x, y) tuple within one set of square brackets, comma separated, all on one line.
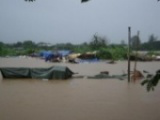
[(46, 53), (62, 53)]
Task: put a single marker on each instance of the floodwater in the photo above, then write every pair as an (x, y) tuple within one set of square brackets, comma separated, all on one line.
[(78, 98)]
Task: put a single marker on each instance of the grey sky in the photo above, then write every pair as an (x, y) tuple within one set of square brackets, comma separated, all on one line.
[(62, 21)]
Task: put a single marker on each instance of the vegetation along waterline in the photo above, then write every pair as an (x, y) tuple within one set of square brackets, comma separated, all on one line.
[(98, 43)]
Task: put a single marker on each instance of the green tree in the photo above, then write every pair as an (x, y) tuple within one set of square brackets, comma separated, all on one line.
[(29, 44), (135, 42), (1, 47), (114, 52), (98, 42), (18, 44), (152, 44), (152, 39), (82, 48)]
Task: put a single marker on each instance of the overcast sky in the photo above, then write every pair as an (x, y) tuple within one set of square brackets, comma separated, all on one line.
[(62, 21)]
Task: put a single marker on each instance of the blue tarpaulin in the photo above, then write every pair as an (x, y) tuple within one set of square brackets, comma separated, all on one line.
[(47, 55)]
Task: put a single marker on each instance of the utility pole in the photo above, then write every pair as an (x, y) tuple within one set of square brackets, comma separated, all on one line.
[(129, 40)]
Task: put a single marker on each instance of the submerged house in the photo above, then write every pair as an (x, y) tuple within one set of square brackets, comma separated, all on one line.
[(89, 57), (55, 55), (55, 72)]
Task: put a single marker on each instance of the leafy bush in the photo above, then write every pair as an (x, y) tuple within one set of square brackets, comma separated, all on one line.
[(104, 53), (113, 52), (151, 81)]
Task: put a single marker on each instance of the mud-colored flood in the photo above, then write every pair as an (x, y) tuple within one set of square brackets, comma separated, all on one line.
[(78, 98)]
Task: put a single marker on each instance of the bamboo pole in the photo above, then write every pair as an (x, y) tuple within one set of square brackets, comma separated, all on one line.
[(129, 39)]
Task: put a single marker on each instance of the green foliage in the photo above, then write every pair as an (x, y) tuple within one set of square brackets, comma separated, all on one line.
[(114, 52), (152, 44), (64, 46), (82, 48), (104, 53), (152, 38), (29, 44), (7, 51), (151, 81), (98, 43), (19, 48)]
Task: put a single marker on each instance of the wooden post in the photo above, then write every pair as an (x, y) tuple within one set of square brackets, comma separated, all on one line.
[(129, 40)]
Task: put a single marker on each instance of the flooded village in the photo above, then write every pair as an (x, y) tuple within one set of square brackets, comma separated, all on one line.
[(79, 60), (78, 97), (48, 83)]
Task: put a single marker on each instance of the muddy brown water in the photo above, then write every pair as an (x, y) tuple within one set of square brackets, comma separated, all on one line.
[(77, 98)]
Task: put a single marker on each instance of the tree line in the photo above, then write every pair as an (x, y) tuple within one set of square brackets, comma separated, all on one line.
[(97, 43), (153, 43)]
